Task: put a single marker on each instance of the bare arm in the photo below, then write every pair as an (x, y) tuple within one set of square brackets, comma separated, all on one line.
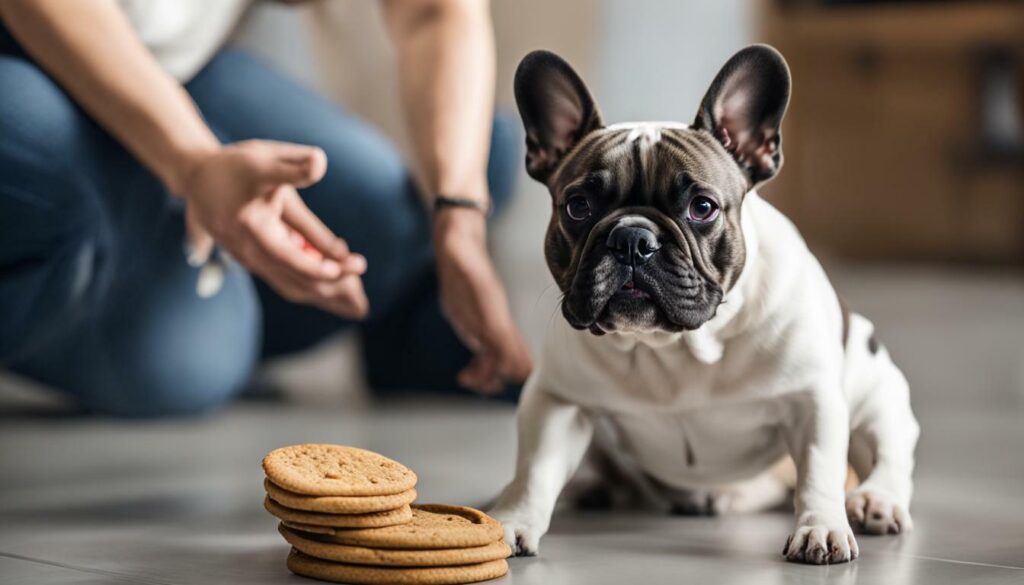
[(446, 63), (446, 75), (92, 51), (243, 194)]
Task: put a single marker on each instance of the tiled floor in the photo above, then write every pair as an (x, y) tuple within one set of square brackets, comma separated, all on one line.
[(90, 501)]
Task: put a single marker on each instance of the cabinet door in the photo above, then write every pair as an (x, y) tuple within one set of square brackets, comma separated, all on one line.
[(883, 157)]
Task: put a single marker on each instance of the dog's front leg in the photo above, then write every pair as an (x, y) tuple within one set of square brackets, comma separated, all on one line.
[(553, 436), (817, 434)]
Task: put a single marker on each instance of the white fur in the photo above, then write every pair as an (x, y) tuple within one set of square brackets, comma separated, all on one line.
[(767, 377), (647, 125)]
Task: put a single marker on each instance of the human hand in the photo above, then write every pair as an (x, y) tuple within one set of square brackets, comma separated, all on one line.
[(475, 303), (244, 197)]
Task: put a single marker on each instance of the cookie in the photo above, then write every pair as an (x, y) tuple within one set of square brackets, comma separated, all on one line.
[(307, 566), (371, 520), (433, 526), (338, 504), (310, 528), (333, 470), (360, 555)]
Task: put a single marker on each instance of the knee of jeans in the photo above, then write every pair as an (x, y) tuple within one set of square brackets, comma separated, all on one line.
[(205, 388), (506, 159), (196, 385), (185, 363)]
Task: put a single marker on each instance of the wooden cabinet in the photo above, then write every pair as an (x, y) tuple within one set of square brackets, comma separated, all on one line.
[(887, 154)]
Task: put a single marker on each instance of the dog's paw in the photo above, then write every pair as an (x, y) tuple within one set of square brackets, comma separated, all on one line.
[(818, 544), (521, 535), (874, 512)]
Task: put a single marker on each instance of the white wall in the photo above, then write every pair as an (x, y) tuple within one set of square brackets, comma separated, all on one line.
[(279, 34), (655, 58)]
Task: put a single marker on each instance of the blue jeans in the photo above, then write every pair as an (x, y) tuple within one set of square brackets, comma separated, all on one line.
[(96, 298)]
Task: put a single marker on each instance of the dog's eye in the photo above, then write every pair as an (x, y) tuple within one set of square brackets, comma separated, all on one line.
[(577, 208), (702, 209)]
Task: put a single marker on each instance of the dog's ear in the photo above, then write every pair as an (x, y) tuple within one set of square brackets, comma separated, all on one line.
[(556, 108), (744, 107)]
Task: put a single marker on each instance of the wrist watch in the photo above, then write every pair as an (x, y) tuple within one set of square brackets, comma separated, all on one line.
[(443, 201)]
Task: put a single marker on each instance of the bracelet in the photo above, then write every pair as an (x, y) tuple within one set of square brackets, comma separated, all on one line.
[(443, 201)]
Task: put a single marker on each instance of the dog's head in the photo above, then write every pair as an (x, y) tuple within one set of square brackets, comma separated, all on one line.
[(645, 227)]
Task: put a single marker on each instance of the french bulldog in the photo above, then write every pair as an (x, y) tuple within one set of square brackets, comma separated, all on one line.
[(697, 324)]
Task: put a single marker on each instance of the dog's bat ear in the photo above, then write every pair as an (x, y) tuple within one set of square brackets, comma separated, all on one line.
[(744, 107), (557, 110)]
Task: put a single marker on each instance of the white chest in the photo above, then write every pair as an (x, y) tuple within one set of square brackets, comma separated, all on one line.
[(703, 448), (686, 422)]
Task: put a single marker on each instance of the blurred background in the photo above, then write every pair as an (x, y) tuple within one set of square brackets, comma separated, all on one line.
[(904, 147)]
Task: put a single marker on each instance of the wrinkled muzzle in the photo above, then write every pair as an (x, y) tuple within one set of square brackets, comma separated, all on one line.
[(635, 273)]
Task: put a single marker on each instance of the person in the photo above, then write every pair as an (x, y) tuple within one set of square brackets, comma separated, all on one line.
[(127, 128)]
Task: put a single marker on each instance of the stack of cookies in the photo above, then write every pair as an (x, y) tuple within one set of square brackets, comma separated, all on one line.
[(347, 514)]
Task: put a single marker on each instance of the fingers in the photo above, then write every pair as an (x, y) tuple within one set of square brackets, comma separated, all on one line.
[(262, 221), (292, 164), (274, 241), (500, 337), (517, 363), (481, 375), (351, 262), (298, 272), (313, 156), (346, 297), (319, 236), (312, 232), (343, 296), (500, 358)]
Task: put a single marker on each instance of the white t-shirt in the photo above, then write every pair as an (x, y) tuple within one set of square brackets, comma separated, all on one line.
[(184, 34)]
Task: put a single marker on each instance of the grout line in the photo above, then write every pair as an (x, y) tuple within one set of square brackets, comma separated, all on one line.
[(81, 569), (976, 564)]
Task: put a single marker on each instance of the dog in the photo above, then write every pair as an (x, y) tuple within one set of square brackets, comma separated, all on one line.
[(697, 324)]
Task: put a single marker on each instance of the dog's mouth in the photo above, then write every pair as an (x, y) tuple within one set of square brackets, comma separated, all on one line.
[(618, 298), (635, 305), (630, 291)]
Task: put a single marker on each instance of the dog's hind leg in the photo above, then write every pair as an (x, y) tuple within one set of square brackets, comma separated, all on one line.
[(771, 489), (882, 453)]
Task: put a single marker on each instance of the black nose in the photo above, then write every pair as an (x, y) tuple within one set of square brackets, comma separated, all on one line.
[(632, 245)]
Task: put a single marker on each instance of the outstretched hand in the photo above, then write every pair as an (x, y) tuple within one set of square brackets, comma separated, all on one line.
[(243, 197)]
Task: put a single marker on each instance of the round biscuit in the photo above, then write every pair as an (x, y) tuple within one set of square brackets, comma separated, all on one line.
[(361, 521), (432, 526), (360, 555), (313, 469), (307, 566), (338, 504)]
